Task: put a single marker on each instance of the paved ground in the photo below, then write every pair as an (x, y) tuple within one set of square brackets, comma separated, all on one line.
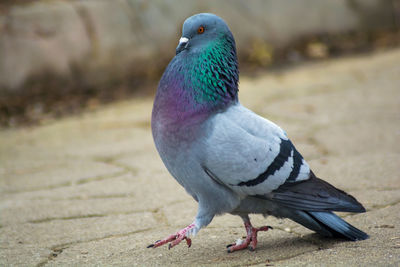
[(92, 190)]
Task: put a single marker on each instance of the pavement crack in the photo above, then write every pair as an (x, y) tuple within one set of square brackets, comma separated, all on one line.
[(86, 197), (382, 206), (158, 215), (387, 189), (76, 217), (58, 249), (381, 189), (67, 218), (113, 162), (54, 254), (70, 183), (270, 262), (99, 178), (319, 248)]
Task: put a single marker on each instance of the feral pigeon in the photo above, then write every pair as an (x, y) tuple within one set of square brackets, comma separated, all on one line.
[(229, 159)]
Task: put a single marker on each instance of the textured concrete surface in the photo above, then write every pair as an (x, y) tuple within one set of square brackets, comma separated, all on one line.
[(91, 189)]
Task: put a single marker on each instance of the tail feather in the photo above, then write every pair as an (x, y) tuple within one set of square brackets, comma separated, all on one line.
[(337, 226), (314, 194), (304, 219), (311, 202)]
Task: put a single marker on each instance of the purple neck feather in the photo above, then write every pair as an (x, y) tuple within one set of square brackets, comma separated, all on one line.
[(195, 86)]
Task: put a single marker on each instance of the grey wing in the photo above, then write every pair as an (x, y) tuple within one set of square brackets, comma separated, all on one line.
[(250, 154)]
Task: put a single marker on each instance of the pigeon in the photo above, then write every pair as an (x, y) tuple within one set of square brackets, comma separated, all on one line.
[(229, 159)]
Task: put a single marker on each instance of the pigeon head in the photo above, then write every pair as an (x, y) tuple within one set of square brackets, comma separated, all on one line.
[(208, 48), (201, 29), (203, 76)]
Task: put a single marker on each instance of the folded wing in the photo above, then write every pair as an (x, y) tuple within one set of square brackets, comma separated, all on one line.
[(250, 154)]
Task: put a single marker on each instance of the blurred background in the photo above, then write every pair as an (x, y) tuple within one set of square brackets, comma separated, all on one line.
[(81, 182), (59, 57)]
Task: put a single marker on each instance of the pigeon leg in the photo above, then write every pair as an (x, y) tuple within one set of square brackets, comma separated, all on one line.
[(176, 238), (251, 239)]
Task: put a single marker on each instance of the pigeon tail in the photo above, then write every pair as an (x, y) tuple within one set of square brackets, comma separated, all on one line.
[(337, 226), (311, 202)]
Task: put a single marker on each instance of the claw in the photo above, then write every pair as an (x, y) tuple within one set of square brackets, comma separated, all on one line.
[(175, 239), (265, 228), (251, 240), (188, 242)]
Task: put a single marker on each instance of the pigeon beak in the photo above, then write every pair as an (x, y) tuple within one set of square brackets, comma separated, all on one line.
[(183, 43)]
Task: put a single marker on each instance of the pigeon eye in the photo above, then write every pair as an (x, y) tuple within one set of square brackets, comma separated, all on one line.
[(200, 30)]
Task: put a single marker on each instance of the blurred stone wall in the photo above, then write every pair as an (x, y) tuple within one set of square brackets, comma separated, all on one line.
[(103, 42)]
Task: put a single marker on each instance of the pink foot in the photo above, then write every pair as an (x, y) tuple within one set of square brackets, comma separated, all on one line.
[(175, 239), (251, 239)]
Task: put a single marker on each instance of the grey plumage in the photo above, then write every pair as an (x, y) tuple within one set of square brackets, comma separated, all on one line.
[(229, 159)]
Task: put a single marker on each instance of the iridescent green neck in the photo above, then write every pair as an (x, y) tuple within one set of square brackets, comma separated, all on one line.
[(213, 72), (198, 82)]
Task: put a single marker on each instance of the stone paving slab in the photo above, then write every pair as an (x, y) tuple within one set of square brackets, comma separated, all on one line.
[(91, 189)]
